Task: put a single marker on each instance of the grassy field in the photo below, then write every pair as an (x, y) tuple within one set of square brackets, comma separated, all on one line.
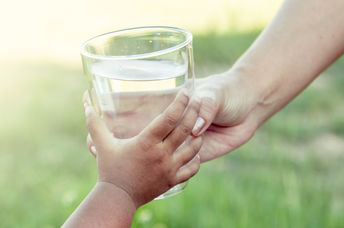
[(289, 175)]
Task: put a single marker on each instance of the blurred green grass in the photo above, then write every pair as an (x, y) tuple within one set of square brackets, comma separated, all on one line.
[(288, 175)]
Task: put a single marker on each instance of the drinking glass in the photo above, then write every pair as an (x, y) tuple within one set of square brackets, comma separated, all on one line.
[(134, 74)]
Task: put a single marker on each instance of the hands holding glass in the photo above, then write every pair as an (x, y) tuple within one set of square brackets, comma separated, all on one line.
[(135, 74), (234, 104), (133, 86)]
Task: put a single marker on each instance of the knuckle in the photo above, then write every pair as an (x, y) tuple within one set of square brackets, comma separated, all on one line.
[(159, 159), (171, 119), (199, 141), (196, 145), (198, 160), (195, 106), (145, 145), (170, 149), (183, 101), (208, 106), (194, 168), (185, 129), (195, 149), (170, 175), (171, 182)]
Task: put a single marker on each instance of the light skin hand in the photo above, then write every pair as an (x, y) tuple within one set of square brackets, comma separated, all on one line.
[(303, 39), (223, 117), (134, 171), (226, 103)]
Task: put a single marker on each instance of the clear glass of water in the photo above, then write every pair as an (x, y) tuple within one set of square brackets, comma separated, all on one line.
[(134, 74)]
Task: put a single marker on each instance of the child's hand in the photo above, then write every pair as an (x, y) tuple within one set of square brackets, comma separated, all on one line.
[(150, 163)]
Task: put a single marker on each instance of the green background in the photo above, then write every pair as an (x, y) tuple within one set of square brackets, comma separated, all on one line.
[(289, 175)]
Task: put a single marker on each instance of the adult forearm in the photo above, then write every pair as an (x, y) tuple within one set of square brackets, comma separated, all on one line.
[(304, 39), (105, 206)]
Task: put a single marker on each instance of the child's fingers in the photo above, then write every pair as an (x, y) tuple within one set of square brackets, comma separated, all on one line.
[(91, 146), (187, 152), (183, 130), (89, 141), (101, 136), (86, 98), (167, 121), (189, 170)]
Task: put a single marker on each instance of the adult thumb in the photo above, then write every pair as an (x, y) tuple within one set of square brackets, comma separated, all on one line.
[(206, 116)]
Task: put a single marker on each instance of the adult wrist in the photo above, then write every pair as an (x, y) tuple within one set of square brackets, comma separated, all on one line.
[(250, 91), (260, 87), (249, 80)]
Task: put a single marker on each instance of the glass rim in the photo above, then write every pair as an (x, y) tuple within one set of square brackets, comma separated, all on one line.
[(187, 34)]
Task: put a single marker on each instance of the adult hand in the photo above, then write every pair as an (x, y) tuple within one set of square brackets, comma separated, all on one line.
[(226, 119)]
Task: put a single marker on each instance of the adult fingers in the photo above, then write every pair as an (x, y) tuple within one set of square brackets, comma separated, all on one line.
[(167, 121), (183, 130), (86, 98), (208, 90), (188, 152), (189, 170)]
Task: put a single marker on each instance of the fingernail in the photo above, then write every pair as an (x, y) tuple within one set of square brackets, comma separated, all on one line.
[(198, 125), (85, 104), (93, 149)]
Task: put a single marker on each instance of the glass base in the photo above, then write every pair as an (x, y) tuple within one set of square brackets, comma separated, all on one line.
[(172, 192)]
